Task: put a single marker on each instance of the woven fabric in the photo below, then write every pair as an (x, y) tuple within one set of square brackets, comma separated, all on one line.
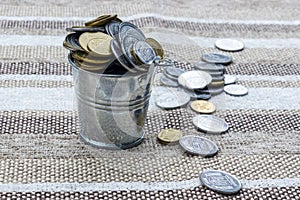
[(43, 157)]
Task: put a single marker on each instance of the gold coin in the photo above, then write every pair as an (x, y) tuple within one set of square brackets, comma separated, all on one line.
[(102, 20), (169, 135), (156, 46), (101, 46), (89, 67), (215, 84), (202, 106), (86, 37), (89, 58)]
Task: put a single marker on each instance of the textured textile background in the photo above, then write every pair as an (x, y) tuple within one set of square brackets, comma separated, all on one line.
[(41, 155)]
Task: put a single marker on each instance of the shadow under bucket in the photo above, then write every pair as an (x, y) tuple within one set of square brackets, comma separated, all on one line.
[(112, 108)]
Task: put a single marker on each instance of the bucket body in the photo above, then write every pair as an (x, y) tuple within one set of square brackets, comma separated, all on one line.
[(112, 108)]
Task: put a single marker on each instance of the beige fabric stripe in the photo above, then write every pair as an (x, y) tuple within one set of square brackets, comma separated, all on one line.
[(191, 53), (129, 168), (279, 12)]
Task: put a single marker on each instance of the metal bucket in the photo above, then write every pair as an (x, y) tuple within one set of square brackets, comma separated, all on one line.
[(112, 108)]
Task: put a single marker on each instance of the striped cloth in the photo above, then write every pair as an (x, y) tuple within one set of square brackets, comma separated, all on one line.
[(42, 156)]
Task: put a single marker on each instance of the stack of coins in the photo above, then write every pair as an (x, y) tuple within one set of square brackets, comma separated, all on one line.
[(109, 45)]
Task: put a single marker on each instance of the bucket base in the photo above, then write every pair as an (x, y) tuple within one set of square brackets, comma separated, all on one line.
[(103, 145)]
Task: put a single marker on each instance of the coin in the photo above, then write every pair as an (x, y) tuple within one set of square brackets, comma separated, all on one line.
[(235, 90), (216, 58), (229, 45), (216, 91), (112, 28), (120, 56), (165, 62), (220, 181), (156, 46), (229, 79), (100, 46), (168, 82), (210, 124), (144, 52), (203, 96), (169, 135), (129, 29), (89, 66), (203, 106), (215, 73), (100, 21), (85, 29), (209, 67), (89, 58), (216, 84), (172, 100), (86, 37), (70, 42), (174, 78), (194, 79), (198, 145), (175, 72)]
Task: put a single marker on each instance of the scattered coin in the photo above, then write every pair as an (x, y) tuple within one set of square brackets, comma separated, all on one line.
[(194, 79), (229, 79), (203, 106), (198, 145), (216, 58), (209, 67), (174, 78), (168, 82), (203, 96), (169, 135), (172, 71), (210, 124), (229, 45), (172, 100), (220, 181), (235, 90)]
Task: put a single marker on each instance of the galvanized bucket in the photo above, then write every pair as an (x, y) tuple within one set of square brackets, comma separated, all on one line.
[(112, 108)]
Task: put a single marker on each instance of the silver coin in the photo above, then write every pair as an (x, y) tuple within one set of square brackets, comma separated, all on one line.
[(172, 100), (112, 28), (235, 90), (85, 29), (229, 79), (126, 46), (200, 96), (170, 76), (144, 52), (216, 58), (198, 145), (215, 73), (165, 62), (220, 181), (216, 91), (175, 72), (229, 45), (210, 124), (218, 78), (194, 79), (168, 82), (114, 45), (127, 28), (209, 67)]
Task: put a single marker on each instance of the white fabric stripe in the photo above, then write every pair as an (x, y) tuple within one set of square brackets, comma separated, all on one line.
[(138, 16), (63, 99), (257, 98), (18, 77), (137, 186), (169, 38), (33, 77)]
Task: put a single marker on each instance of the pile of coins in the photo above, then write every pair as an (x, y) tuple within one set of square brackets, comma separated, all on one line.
[(109, 45)]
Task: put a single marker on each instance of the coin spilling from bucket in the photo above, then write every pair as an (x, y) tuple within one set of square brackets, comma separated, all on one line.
[(109, 45)]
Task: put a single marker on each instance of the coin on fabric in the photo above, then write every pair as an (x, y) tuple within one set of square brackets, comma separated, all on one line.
[(209, 67), (194, 79), (220, 181), (210, 124), (203, 106), (168, 82), (175, 72), (199, 96), (197, 145), (229, 45), (235, 90), (172, 100), (156, 46), (229, 79), (169, 135), (216, 58)]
